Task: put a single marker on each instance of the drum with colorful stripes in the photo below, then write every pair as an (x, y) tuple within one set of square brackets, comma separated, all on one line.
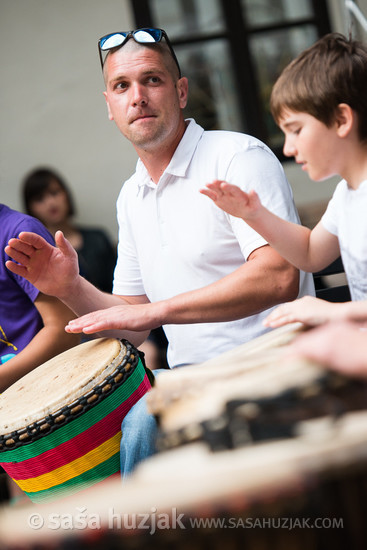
[(60, 425)]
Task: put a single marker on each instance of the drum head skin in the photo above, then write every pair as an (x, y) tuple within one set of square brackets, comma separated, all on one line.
[(60, 380)]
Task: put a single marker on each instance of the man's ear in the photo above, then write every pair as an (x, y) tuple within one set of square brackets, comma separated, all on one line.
[(182, 90), (345, 119), (108, 106)]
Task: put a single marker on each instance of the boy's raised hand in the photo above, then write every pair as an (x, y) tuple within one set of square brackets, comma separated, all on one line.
[(232, 199)]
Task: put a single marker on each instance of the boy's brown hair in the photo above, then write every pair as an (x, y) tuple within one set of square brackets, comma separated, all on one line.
[(330, 72)]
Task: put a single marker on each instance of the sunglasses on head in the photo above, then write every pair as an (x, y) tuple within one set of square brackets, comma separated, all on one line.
[(142, 36)]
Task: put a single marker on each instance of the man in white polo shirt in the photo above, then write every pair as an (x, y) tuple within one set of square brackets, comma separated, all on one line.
[(183, 263), (173, 240)]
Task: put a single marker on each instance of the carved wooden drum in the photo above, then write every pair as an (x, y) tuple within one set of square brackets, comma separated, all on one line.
[(60, 425)]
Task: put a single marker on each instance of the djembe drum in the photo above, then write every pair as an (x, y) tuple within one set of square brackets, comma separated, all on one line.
[(60, 425), (251, 356), (250, 394)]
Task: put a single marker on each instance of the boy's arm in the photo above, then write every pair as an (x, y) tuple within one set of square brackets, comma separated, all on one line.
[(48, 342), (308, 250)]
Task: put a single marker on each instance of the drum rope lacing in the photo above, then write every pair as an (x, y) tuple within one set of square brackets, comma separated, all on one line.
[(84, 403)]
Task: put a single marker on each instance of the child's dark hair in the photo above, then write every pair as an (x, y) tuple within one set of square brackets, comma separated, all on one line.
[(36, 184), (330, 72)]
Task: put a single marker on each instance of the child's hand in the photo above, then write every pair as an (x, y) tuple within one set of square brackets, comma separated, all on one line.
[(232, 199), (308, 310)]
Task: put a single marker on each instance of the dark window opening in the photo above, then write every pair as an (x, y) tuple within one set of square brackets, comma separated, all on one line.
[(232, 51)]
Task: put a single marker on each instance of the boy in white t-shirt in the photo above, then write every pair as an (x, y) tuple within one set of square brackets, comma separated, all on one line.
[(320, 103)]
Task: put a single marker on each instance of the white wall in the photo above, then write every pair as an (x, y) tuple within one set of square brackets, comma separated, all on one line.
[(52, 110)]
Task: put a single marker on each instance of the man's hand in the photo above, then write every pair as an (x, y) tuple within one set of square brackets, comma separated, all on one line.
[(53, 270), (232, 199), (136, 317)]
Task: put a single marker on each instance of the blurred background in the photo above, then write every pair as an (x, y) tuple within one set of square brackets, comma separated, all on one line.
[(53, 113)]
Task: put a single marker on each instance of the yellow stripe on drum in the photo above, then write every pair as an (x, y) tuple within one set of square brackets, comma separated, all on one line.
[(74, 468)]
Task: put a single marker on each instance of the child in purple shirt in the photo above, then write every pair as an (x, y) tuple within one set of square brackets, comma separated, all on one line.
[(31, 323)]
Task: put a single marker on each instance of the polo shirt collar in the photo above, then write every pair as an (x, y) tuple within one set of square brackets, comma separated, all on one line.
[(181, 157)]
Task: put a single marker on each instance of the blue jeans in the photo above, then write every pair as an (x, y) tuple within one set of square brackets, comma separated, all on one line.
[(139, 432)]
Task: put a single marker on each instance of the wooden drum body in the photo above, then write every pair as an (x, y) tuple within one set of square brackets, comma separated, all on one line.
[(60, 425)]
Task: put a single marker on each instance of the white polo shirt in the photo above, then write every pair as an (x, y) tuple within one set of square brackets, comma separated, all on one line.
[(172, 239)]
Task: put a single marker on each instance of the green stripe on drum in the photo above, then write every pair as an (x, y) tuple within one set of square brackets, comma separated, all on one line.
[(83, 481), (80, 424)]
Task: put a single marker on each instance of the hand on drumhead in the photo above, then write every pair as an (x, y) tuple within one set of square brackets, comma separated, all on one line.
[(232, 199), (51, 269), (341, 346), (308, 310), (137, 318)]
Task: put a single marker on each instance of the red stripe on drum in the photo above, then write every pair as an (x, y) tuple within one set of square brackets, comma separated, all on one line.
[(77, 446), (78, 425)]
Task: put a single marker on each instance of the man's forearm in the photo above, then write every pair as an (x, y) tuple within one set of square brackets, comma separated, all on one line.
[(254, 287), (263, 281), (84, 297)]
